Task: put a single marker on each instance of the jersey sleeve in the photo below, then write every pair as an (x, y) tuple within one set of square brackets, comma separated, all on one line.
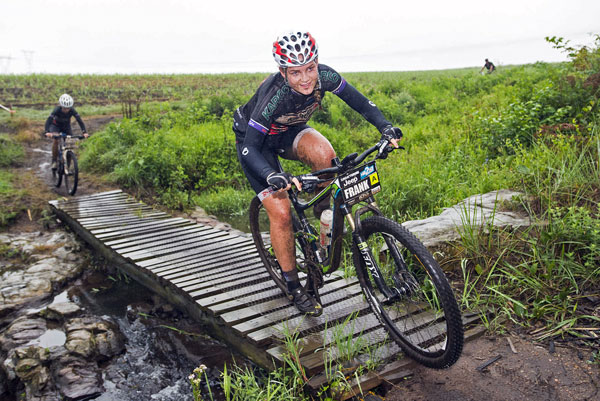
[(50, 119), (260, 119), (78, 119), (336, 84)]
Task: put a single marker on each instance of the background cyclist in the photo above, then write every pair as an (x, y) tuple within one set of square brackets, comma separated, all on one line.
[(489, 66), (275, 118), (60, 121)]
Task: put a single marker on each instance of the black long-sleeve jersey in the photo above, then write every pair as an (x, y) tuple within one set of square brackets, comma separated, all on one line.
[(275, 107), (63, 120)]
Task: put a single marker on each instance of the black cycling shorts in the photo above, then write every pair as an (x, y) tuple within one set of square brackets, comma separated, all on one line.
[(55, 128), (280, 144)]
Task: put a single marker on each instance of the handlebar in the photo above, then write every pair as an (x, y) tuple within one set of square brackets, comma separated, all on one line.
[(64, 135), (309, 181)]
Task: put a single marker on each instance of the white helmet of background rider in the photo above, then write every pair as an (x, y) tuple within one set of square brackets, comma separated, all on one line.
[(294, 49), (66, 101)]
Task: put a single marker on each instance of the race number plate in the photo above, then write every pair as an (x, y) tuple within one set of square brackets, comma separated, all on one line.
[(360, 183)]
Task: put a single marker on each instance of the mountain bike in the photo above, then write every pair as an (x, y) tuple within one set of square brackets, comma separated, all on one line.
[(402, 282), (66, 165)]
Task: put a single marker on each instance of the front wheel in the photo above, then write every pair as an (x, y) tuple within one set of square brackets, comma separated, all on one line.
[(414, 300), (57, 174), (71, 173)]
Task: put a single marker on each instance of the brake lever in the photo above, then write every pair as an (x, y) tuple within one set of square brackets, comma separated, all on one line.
[(309, 183)]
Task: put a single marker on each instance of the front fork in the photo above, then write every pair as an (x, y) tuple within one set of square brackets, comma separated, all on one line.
[(399, 289), (64, 157)]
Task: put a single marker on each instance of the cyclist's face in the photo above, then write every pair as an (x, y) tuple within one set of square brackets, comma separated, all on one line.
[(302, 79), (65, 109)]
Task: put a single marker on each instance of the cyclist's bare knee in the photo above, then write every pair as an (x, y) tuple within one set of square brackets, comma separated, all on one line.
[(315, 150), (278, 208)]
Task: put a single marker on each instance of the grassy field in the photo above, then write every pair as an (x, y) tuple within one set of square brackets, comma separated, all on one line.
[(532, 128)]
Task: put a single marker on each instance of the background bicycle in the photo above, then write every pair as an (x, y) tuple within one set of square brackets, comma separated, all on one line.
[(403, 283), (66, 169)]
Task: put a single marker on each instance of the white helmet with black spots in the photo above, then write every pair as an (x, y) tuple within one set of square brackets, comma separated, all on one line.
[(294, 49), (65, 101)]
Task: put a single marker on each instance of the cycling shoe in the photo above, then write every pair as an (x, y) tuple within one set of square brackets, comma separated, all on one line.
[(305, 303)]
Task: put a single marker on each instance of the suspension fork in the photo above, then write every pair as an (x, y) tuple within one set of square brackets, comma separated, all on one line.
[(362, 246), (64, 158)]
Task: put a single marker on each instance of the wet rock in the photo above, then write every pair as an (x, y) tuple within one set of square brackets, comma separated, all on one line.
[(198, 213), (52, 259), (475, 211), (81, 342), (30, 366), (98, 339), (59, 372), (77, 379), (140, 308), (62, 310), (22, 331)]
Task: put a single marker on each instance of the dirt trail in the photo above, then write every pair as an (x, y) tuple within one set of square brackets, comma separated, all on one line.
[(534, 373), (36, 177)]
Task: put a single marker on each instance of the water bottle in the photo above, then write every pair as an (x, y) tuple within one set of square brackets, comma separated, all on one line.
[(326, 220)]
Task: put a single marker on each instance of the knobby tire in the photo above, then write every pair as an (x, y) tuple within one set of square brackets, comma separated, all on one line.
[(57, 174), (72, 178), (260, 226), (426, 323)]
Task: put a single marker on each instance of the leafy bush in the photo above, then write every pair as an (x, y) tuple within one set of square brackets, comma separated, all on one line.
[(11, 152)]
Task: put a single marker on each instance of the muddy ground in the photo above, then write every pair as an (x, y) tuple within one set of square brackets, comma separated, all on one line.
[(525, 371), (530, 372)]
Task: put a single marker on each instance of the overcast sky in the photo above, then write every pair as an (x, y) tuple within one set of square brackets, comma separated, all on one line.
[(212, 36)]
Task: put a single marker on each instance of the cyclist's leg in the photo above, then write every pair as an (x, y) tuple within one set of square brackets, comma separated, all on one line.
[(312, 148), (55, 130), (278, 208)]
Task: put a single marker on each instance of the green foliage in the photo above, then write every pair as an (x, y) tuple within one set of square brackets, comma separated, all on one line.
[(10, 199), (11, 152), (176, 160)]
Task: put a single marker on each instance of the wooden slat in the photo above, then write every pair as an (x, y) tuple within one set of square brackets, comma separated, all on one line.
[(192, 253), (155, 227), (152, 236), (155, 239)]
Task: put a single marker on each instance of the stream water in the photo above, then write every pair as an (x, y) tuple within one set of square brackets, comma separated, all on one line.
[(163, 346)]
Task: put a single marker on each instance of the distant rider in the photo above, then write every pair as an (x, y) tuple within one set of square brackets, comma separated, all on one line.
[(489, 66), (60, 121)]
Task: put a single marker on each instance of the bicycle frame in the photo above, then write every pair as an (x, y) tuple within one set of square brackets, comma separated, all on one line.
[(63, 148), (342, 209)]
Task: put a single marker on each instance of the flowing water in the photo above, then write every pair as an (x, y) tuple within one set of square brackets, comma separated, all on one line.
[(160, 350)]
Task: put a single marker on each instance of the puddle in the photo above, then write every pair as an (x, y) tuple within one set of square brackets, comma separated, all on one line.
[(41, 151), (50, 338), (62, 297)]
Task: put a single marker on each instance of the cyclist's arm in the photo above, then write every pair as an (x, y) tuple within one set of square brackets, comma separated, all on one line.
[(49, 120), (79, 120), (252, 155), (364, 106)]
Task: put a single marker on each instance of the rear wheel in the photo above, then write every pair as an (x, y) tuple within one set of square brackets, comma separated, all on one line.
[(259, 226), (71, 173), (419, 311)]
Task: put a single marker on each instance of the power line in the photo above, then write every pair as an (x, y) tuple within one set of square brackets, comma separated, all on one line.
[(28, 54), (5, 63)]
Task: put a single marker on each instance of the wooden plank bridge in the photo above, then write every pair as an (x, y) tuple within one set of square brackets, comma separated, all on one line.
[(219, 279)]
